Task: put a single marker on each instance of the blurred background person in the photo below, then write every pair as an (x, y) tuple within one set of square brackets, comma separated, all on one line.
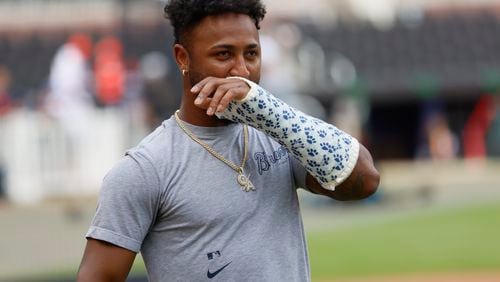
[(477, 127), (5, 80), (5, 107), (109, 71), (437, 141), (70, 102), (493, 135), (69, 97)]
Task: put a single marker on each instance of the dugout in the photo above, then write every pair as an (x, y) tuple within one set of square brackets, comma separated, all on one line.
[(440, 63)]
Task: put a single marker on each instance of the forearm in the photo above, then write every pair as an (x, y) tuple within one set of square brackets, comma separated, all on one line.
[(103, 261), (326, 152)]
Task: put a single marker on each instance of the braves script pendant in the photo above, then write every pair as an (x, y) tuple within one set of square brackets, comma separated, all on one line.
[(245, 183)]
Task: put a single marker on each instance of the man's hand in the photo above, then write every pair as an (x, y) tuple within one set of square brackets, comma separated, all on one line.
[(215, 94)]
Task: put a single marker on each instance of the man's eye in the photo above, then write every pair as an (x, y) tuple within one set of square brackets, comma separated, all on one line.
[(252, 54), (223, 54)]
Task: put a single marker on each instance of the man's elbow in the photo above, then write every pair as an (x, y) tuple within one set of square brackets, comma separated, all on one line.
[(363, 181), (370, 184), (85, 275), (369, 174)]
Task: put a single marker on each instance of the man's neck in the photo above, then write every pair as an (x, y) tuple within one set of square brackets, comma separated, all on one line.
[(197, 116)]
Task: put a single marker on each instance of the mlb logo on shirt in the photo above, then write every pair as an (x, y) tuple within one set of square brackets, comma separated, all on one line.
[(213, 255)]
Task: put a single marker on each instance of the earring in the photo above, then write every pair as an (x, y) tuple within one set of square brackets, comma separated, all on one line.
[(184, 72)]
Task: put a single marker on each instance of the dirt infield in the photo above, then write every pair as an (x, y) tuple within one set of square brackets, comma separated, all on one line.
[(449, 277)]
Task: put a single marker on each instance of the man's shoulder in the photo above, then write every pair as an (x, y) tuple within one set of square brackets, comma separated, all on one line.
[(158, 143), (147, 158)]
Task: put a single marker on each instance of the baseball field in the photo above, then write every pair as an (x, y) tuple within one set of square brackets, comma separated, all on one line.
[(455, 240), (345, 244)]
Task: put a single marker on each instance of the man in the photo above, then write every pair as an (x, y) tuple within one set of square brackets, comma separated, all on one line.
[(211, 194)]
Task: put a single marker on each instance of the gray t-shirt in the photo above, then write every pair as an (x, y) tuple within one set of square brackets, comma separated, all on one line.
[(184, 210)]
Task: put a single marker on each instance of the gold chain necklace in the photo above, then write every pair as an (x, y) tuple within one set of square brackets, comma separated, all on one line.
[(243, 180)]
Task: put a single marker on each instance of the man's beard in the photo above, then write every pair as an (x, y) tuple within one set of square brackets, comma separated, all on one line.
[(195, 77)]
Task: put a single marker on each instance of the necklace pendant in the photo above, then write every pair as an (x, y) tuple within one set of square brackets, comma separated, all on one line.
[(245, 183)]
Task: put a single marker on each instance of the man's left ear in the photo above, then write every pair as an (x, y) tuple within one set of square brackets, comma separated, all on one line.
[(181, 56)]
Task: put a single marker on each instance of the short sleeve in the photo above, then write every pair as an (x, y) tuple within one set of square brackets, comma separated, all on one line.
[(127, 204)]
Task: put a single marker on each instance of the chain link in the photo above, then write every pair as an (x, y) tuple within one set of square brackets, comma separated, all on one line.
[(238, 169)]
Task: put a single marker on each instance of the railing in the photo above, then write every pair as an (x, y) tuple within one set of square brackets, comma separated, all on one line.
[(41, 160)]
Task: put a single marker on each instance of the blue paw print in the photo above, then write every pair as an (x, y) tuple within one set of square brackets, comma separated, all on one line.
[(285, 133), (260, 117), (297, 143), (312, 152), (312, 163), (327, 147), (240, 112), (326, 160), (338, 158), (303, 119), (274, 135), (262, 104), (322, 133), (269, 123), (311, 139), (247, 108), (339, 166), (320, 172), (296, 128), (286, 115), (236, 119)]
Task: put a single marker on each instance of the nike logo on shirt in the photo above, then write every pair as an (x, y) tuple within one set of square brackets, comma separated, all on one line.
[(211, 275)]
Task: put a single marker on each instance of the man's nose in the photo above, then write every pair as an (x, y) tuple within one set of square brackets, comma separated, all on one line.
[(240, 68)]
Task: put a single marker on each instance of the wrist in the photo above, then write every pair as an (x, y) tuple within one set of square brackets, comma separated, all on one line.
[(253, 89)]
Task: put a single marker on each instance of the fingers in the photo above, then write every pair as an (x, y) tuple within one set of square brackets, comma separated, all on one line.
[(215, 94), (227, 92), (204, 88)]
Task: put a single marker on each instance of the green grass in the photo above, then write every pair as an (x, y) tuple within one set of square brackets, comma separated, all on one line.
[(455, 240), (460, 239)]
